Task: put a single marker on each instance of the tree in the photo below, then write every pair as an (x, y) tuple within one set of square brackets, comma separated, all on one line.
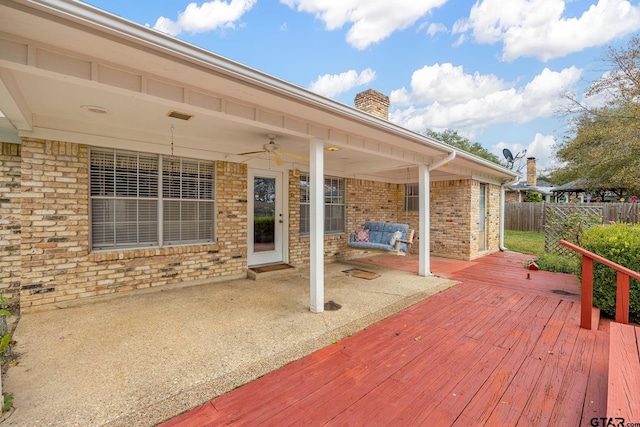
[(451, 137), (603, 145), (533, 197)]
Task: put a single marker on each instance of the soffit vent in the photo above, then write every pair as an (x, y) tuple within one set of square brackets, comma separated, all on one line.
[(180, 116)]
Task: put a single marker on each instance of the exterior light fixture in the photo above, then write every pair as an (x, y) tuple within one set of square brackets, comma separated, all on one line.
[(332, 149), (94, 109)]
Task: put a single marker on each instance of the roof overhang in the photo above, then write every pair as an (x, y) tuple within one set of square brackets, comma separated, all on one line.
[(72, 72)]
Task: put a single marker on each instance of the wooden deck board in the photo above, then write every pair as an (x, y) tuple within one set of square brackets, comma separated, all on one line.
[(543, 397), (460, 394), (595, 400), (624, 372), (404, 389), (497, 349), (571, 396)]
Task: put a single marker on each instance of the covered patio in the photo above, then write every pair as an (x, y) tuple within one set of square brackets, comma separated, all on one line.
[(136, 160)]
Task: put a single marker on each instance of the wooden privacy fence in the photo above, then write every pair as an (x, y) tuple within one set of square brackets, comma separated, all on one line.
[(532, 217)]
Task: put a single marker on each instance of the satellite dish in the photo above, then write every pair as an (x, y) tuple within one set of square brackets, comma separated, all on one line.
[(507, 155)]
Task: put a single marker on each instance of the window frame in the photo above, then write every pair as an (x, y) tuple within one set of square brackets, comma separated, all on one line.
[(330, 204), (412, 197), (201, 194)]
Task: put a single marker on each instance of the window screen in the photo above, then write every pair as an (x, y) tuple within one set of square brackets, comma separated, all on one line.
[(412, 197), (125, 200), (334, 205)]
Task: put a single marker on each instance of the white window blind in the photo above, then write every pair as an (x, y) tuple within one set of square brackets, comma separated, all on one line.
[(334, 205), (412, 197), (187, 188), (125, 200)]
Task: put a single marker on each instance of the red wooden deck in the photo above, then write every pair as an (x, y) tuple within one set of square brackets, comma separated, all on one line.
[(624, 372), (502, 348)]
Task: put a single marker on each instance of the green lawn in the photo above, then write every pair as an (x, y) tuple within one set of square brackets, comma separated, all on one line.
[(526, 242), (532, 242)]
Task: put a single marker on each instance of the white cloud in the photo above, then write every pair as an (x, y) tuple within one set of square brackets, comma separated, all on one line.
[(443, 96), (445, 84), (331, 85), (209, 16), (538, 28), (542, 147), (371, 20), (436, 28)]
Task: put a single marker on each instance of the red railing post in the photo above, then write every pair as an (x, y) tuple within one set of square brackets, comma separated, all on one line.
[(622, 298), (624, 276), (586, 302)]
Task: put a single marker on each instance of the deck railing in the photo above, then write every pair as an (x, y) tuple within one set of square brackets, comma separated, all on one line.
[(622, 290)]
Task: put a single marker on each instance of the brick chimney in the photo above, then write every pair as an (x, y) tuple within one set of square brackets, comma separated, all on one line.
[(531, 171), (374, 103)]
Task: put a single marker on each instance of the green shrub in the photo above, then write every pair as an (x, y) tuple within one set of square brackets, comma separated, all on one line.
[(619, 243), (264, 227), (559, 263), (533, 197)]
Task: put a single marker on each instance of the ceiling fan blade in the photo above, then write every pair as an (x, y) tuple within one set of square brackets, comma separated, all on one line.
[(278, 159), (294, 155), (251, 152)]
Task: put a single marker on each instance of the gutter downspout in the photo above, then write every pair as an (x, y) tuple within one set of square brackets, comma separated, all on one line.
[(502, 197), (424, 234), (440, 163)]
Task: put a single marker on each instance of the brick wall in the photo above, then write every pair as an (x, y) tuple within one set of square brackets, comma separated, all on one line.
[(493, 218), (365, 201), (372, 201), (451, 232), (511, 196), (299, 246), (454, 217), (57, 264), (49, 221), (10, 223)]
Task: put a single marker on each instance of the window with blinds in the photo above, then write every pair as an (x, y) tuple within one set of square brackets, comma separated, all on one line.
[(412, 197), (334, 205), (143, 200), (187, 189)]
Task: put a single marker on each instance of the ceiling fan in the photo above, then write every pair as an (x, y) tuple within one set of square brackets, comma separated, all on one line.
[(276, 152)]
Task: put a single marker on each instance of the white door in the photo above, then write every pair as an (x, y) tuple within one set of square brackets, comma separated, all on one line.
[(265, 217)]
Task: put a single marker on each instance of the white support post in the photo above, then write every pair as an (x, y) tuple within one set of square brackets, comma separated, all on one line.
[(316, 217), (425, 237)]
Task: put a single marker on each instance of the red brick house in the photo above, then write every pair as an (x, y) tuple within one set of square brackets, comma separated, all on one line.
[(130, 159)]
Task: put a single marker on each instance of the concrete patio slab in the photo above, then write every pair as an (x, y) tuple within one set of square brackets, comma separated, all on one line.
[(144, 358)]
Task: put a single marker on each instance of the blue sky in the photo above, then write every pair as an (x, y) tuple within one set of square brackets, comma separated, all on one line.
[(493, 70)]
